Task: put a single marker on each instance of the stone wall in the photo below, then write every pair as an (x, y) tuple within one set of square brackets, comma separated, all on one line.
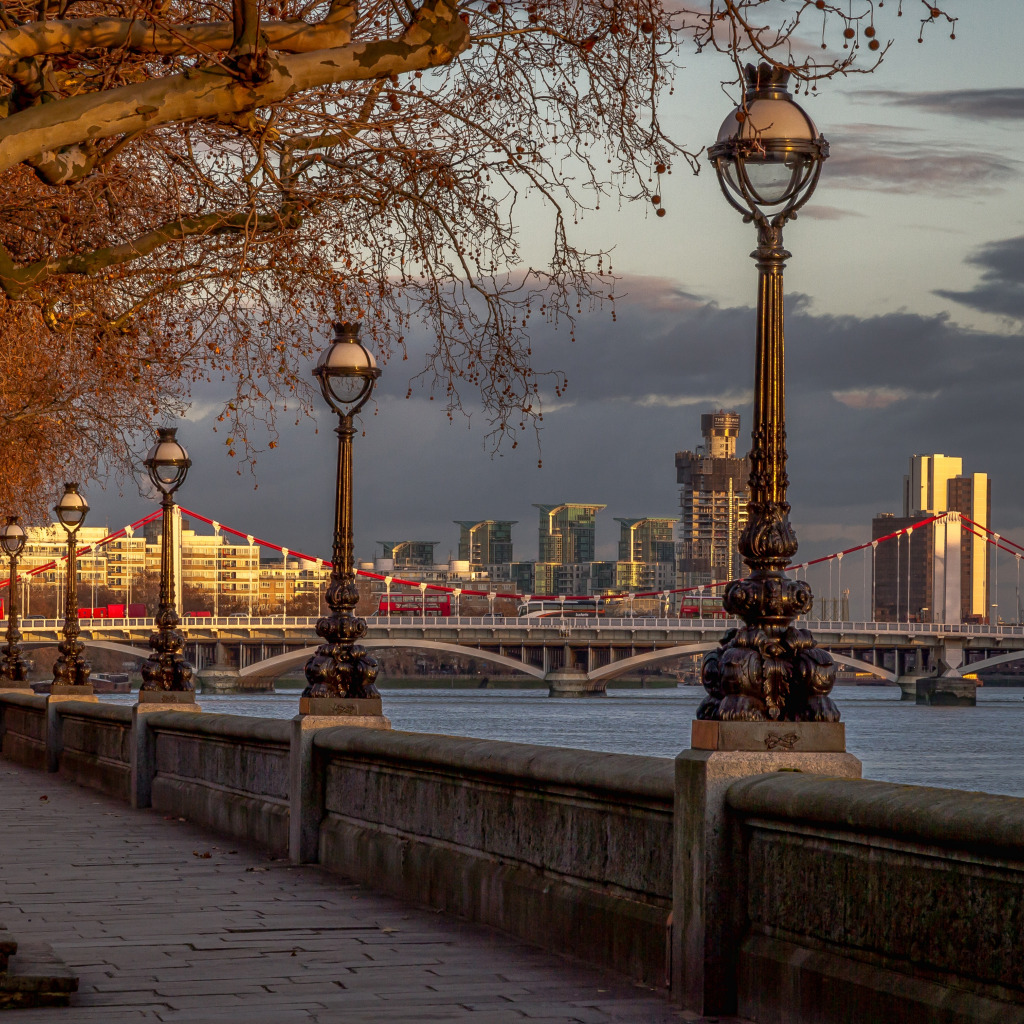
[(867, 901), (228, 772), (23, 728), (95, 745), (569, 849)]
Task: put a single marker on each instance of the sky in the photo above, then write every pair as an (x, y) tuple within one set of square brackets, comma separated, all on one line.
[(904, 333)]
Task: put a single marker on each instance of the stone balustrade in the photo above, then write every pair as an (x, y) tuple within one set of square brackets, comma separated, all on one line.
[(787, 897)]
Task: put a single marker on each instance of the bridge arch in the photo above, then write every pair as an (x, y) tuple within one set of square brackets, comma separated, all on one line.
[(282, 662), (619, 667), (863, 666), (124, 647), (997, 659)]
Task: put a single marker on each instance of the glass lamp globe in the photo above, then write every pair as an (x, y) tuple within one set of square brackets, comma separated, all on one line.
[(167, 462), (768, 152), (72, 508), (346, 371), (12, 536)]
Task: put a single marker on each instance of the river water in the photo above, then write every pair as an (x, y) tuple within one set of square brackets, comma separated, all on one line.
[(979, 748)]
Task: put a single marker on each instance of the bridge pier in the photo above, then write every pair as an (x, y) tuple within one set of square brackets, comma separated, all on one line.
[(947, 691), (571, 682)]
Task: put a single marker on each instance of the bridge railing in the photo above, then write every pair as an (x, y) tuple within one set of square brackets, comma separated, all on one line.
[(637, 623)]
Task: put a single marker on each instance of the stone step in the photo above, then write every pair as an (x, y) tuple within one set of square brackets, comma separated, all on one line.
[(35, 976)]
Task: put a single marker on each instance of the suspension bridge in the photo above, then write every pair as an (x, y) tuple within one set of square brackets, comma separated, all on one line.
[(579, 653)]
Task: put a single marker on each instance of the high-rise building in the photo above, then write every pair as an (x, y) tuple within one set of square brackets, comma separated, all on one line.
[(940, 572), (567, 533), (567, 551), (487, 542), (713, 498), (646, 554)]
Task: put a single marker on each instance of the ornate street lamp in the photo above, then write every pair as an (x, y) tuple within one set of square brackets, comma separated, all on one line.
[(71, 670), (768, 158), (13, 669), (165, 670), (341, 668)]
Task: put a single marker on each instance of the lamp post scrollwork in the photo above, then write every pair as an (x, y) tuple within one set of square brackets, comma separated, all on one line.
[(768, 158), (166, 671), (71, 670), (13, 668), (341, 668)]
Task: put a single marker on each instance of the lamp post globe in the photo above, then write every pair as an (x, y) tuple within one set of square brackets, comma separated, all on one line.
[(71, 669), (346, 371), (768, 158), (167, 462), (341, 668), (165, 671), (13, 669)]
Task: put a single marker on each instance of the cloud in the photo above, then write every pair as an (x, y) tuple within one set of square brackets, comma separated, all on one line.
[(682, 401), (886, 164), (815, 212), (1006, 104), (878, 397), (1001, 290)]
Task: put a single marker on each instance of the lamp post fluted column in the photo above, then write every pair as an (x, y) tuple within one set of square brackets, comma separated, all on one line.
[(13, 669), (768, 157), (166, 675), (71, 671), (340, 676)]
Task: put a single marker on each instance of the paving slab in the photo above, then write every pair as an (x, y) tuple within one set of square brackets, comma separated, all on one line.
[(156, 932)]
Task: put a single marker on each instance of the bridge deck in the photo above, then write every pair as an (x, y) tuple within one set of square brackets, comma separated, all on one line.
[(164, 921)]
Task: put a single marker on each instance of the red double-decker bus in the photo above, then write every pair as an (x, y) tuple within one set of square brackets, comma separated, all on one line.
[(433, 607)]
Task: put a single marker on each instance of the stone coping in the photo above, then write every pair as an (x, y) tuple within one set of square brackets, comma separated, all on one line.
[(88, 709), (520, 763), (979, 822), (221, 726), (36, 701)]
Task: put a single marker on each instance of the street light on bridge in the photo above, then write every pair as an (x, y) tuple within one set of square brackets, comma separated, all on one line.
[(340, 670), (165, 671), (13, 670), (71, 671), (768, 158)]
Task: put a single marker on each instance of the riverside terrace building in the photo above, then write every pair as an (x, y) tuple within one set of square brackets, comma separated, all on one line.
[(713, 499), (212, 571)]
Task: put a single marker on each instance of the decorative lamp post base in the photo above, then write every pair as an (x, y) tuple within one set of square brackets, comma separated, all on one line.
[(767, 737), (7, 684), (168, 698)]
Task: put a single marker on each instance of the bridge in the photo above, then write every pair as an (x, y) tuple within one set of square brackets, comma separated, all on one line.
[(579, 655), (574, 655)]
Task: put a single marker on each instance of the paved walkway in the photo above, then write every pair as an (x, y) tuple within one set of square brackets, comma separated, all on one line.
[(164, 921)]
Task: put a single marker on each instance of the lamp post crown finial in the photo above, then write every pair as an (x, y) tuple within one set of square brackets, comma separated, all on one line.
[(765, 77), (347, 331)]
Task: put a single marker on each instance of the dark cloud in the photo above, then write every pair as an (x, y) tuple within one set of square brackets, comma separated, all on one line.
[(1001, 290), (864, 394), (1006, 104)]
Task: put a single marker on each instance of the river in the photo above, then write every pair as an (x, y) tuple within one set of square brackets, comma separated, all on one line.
[(977, 748)]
